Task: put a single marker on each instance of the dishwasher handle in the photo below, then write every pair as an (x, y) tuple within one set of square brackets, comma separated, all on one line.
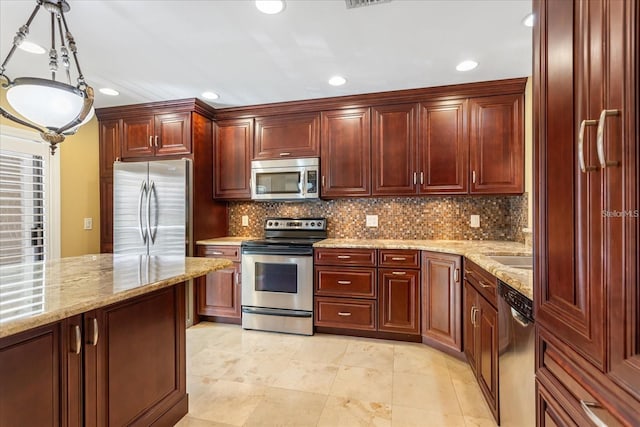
[(522, 321)]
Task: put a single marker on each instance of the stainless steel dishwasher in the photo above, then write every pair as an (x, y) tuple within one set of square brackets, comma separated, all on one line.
[(516, 360)]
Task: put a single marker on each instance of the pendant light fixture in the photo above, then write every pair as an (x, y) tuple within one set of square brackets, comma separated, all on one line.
[(53, 108)]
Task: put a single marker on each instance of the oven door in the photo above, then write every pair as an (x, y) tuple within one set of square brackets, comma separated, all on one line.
[(278, 281)]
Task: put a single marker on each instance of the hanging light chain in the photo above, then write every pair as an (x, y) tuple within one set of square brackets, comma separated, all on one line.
[(19, 38)]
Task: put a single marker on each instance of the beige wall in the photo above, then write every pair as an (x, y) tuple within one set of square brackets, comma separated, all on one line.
[(79, 188)]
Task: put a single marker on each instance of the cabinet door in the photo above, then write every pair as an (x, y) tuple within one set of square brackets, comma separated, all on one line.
[(110, 139), (487, 330), (549, 412), (496, 145), (172, 134), (137, 137), (346, 153), (219, 293), (443, 148), (233, 141), (394, 139), (399, 307), (469, 317), (106, 214), (281, 137), (442, 299)]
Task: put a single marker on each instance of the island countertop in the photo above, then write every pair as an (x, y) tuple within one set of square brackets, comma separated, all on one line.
[(36, 295)]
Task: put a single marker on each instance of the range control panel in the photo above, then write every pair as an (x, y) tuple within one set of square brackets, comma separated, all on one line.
[(295, 224), (515, 299)]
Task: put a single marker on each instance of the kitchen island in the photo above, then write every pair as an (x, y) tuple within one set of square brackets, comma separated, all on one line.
[(96, 340)]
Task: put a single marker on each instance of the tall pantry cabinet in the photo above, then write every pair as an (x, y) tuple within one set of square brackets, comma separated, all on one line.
[(587, 300)]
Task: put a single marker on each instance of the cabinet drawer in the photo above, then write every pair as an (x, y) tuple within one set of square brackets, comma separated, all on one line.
[(351, 281), (335, 256), (346, 313), (483, 281), (227, 252), (398, 258)]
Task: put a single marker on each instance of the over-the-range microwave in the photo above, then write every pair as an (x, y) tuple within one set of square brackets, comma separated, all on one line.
[(288, 179)]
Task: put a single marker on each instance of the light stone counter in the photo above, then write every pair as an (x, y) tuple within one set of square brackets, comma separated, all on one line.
[(225, 241), (65, 287), (475, 250)]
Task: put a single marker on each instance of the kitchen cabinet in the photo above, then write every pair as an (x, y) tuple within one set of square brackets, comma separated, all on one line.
[(586, 221), (442, 300), (157, 135), (119, 365), (496, 144), (109, 152), (219, 293), (399, 286), (287, 136), (345, 160), (232, 142)]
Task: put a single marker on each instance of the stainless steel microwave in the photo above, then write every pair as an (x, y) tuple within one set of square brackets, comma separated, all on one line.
[(290, 179)]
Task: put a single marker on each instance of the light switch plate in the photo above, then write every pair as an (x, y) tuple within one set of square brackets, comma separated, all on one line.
[(245, 220), (88, 223), (475, 221), (372, 220)]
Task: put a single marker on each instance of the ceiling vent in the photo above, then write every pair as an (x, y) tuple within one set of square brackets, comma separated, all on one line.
[(360, 3)]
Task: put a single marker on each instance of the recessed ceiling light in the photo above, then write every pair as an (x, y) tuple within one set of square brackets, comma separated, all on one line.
[(337, 81), (466, 65), (210, 95), (31, 47), (528, 20), (109, 91), (270, 7)]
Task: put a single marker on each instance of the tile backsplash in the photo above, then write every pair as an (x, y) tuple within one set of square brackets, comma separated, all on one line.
[(448, 217)]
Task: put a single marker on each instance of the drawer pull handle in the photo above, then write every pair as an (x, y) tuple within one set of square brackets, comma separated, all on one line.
[(586, 407), (344, 256), (399, 258), (344, 282), (399, 273), (216, 253), (344, 313), (484, 285), (284, 154)]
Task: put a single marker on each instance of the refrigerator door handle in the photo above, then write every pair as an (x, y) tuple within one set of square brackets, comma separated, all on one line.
[(152, 234), (143, 232)]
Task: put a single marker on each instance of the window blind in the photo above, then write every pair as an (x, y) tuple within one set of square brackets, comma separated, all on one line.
[(22, 234)]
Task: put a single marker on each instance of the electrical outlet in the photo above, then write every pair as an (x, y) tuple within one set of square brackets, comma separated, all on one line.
[(372, 220), (245, 220), (88, 223), (475, 221)]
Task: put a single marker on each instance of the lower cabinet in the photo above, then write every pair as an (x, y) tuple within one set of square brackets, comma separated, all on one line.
[(399, 301), (218, 294), (119, 365)]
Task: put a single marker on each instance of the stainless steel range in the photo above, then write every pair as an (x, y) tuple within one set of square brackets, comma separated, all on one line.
[(277, 276)]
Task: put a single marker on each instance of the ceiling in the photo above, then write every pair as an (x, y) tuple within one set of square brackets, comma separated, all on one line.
[(161, 50)]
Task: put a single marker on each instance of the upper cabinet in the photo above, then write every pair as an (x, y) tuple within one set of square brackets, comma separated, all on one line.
[(496, 144), (156, 135), (346, 153), (232, 144), (284, 136)]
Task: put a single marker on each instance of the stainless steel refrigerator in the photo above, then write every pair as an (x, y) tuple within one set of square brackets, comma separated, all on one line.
[(151, 211)]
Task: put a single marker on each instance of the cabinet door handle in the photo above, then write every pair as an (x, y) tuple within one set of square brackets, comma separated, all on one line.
[(344, 256), (151, 141), (473, 177), (322, 181), (399, 258), (421, 178), (216, 253), (284, 154), (96, 333), (456, 275), (237, 278), (600, 138), (475, 321), (156, 141), (415, 178), (583, 167), (472, 314), (344, 282), (77, 340), (586, 407), (399, 273), (344, 313)]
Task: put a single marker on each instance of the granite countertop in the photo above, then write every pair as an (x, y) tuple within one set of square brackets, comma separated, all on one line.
[(225, 241), (475, 250), (62, 288)]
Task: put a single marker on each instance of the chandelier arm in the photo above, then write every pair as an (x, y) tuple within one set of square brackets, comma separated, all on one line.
[(4, 113), (20, 35), (63, 51), (74, 50), (86, 108)]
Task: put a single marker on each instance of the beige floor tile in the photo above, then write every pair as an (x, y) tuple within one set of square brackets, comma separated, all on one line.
[(281, 407), (471, 400), (227, 402), (428, 392), (419, 359), (369, 354), (370, 385), (312, 377), (412, 417), (480, 422), (258, 369), (211, 363), (343, 411), (197, 385), (196, 422), (320, 349), (460, 370)]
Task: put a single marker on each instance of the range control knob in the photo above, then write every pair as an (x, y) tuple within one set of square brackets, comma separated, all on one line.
[(276, 223), (269, 224), (313, 224)]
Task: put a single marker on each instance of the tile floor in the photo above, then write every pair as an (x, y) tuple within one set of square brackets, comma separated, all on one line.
[(251, 378)]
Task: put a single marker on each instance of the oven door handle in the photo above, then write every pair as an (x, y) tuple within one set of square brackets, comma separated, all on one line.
[(276, 312)]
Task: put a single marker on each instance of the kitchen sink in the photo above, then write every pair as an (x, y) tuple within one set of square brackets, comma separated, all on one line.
[(524, 262)]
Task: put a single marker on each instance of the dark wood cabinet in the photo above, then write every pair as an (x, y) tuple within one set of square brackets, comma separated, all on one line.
[(137, 139), (233, 142), (442, 300), (287, 136), (110, 151), (586, 221), (395, 153), (158, 135), (444, 147), (219, 294), (399, 301), (496, 144), (470, 337), (345, 152)]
